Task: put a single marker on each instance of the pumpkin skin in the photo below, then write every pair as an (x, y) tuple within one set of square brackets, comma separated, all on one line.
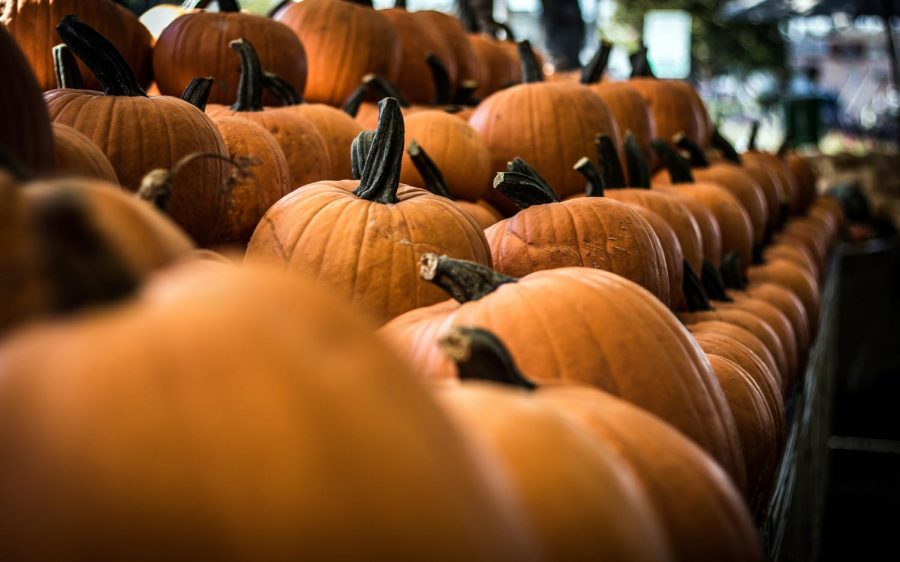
[(468, 67), (755, 427), (704, 123), (797, 253), (158, 18), (666, 373), (456, 148), (485, 215), (196, 44), (33, 23), (25, 137), (710, 232), (337, 130), (677, 475), (212, 415), (631, 113), (804, 177), (674, 256), (810, 234), (77, 155), (267, 182), (793, 278), (498, 68), (549, 124), (771, 184), (591, 232), (605, 514), (417, 38), (787, 302), (672, 107), (780, 169), (362, 39)]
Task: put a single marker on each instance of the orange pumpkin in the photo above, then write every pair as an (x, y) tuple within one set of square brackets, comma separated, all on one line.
[(363, 40), (794, 278), (616, 337), (468, 67), (77, 155), (804, 176), (787, 302), (673, 107), (418, 37)]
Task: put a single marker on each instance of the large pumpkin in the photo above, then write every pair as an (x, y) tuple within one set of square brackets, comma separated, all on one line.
[(261, 448), (33, 24), (140, 134), (468, 67), (26, 141), (579, 326), (344, 41), (418, 37), (549, 124), (77, 155), (196, 44), (365, 237)]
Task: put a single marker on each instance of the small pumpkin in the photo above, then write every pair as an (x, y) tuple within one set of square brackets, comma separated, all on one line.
[(804, 175), (794, 278), (77, 155), (365, 236), (788, 303)]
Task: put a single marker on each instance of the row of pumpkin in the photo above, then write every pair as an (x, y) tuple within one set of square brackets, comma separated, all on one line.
[(231, 411)]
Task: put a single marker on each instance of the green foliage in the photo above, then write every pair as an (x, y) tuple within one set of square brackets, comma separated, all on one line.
[(719, 46)]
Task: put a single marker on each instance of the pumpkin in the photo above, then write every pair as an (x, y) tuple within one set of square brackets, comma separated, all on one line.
[(482, 212), (549, 124), (793, 278), (468, 67), (196, 44), (578, 326), (77, 155), (589, 231), (674, 259), (756, 428), (804, 176), (418, 37), (810, 234), (158, 18), (499, 68), (140, 134), (787, 302), (237, 399), (26, 141), (673, 107), (303, 146), (678, 476), (337, 128), (365, 236), (766, 323), (734, 222), (584, 502), (33, 23), (794, 198), (344, 41), (456, 148), (796, 252)]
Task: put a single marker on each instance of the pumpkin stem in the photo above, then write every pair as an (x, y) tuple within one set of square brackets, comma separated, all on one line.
[(443, 87), (197, 92), (249, 94), (593, 70), (229, 6), (66, 68), (101, 57), (756, 253), (434, 179), (359, 151), (531, 70), (156, 185), (732, 273), (273, 11), (522, 167), (593, 176), (678, 167), (638, 171), (463, 280), (640, 66), (610, 166), (380, 175), (697, 157), (282, 89), (355, 100), (384, 88), (524, 190), (465, 94), (725, 147), (754, 131), (694, 293), (713, 283), (480, 355), (82, 267)]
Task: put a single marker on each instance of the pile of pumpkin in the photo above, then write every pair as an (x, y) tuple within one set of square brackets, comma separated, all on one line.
[(482, 313)]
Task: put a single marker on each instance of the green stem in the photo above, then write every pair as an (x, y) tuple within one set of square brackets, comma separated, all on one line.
[(101, 57), (383, 88), (593, 71), (610, 166), (249, 94), (531, 70), (434, 179), (694, 293), (732, 272), (480, 355), (359, 151), (678, 167), (593, 176), (520, 166), (68, 76), (281, 89), (719, 142), (640, 66), (754, 131), (463, 280), (443, 87), (638, 171), (197, 92), (380, 175), (713, 282), (524, 190), (465, 94), (355, 100), (698, 158)]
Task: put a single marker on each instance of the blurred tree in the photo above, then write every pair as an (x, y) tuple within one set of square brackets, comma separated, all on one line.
[(720, 46)]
